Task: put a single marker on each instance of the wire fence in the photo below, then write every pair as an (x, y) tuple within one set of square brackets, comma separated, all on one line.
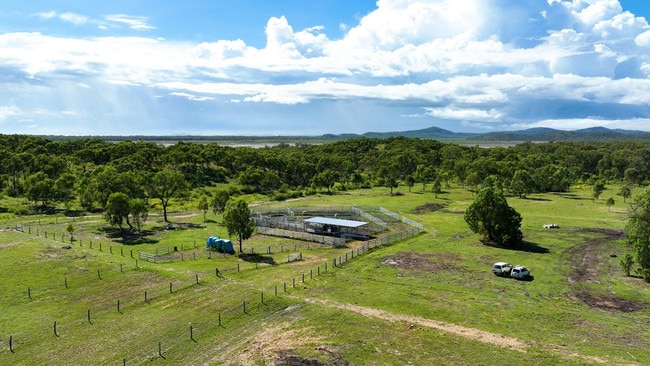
[(260, 304)]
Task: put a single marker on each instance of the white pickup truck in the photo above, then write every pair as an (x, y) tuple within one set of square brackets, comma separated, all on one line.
[(520, 272), (501, 268)]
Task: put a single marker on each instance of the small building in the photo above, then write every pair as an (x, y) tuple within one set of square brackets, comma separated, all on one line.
[(339, 228)]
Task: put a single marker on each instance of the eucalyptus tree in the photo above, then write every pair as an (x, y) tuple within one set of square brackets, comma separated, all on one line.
[(637, 231), (237, 219), (165, 185)]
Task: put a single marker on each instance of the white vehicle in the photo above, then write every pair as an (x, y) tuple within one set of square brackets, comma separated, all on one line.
[(520, 272), (551, 226), (501, 268)]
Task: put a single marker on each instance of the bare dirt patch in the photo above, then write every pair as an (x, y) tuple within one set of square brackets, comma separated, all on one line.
[(429, 262), (428, 207), (276, 345), (611, 303), (587, 260)]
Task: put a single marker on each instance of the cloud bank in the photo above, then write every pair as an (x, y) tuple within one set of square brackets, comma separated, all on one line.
[(463, 65)]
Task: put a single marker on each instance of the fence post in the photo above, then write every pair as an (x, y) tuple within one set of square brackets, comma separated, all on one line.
[(65, 280), (160, 350), (100, 247), (244, 306), (55, 332), (311, 274), (121, 267), (122, 251), (110, 248), (145, 296), (285, 287), (131, 253), (192, 334), (303, 278), (262, 296), (91, 323), (29, 293), (237, 267), (99, 275), (220, 320), (11, 343), (118, 306), (170, 288), (197, 278), (276, 290), (268, 250), (294, 282)]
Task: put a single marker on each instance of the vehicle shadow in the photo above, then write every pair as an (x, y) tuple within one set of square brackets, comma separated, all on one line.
[(529, 278)]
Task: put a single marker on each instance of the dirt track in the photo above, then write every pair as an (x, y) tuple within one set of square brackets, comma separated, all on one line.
[(465, 332), (458, 330)]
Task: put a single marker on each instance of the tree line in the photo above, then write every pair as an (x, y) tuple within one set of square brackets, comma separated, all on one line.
[(122, 178), (87, 171)]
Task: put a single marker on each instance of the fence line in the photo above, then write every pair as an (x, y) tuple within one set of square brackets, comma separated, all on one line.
[(369, 216), (234, 311)]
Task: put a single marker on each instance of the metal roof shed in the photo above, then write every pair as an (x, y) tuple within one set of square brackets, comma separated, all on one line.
[(334, 227)]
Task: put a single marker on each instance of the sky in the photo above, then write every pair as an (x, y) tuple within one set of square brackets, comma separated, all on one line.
[(296, 67)]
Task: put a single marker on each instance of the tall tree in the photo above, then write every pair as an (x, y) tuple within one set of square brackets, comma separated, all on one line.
[(598, 189), (219, 200), (203, 205), (165, 185), (490, 216), (437, 187), (638, 231), (237, 218), (139, 213), (625, 192), (521, 183), (118, 209)]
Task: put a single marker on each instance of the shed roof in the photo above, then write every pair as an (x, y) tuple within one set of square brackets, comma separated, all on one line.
[(336, 222)]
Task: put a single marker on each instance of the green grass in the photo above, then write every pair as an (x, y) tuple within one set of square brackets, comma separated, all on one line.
[(442, 274)]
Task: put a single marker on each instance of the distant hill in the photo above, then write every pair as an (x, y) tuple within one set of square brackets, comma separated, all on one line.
[(427, 133), (549, 134), (531, 134)]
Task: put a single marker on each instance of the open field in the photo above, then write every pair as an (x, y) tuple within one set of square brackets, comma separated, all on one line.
[(427, 300)]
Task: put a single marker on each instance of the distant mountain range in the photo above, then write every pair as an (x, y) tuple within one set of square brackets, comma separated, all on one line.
[(531, 134)]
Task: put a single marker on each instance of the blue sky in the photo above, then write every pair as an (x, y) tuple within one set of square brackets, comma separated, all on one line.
[(295, 67)]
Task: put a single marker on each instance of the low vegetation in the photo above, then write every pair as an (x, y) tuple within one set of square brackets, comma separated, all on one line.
[(428, 299), (104, 261)]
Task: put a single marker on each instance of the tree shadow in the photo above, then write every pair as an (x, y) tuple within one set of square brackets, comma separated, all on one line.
[(128, 237), (177, 226), (257, 258), (540, 199), (572, 196), (525, 246)]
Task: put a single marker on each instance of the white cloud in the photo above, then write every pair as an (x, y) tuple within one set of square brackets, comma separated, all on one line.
[(8, 111), (470, 62), (73, 18), (47, 14), (191, 97), (138, 23)]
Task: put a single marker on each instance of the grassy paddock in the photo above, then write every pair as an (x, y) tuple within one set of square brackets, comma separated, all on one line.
[(579, 308)]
